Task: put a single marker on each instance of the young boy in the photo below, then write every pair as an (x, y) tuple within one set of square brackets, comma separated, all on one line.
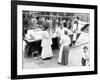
[(85, 56)]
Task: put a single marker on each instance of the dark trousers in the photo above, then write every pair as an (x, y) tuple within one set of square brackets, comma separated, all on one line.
[(83, 62), (72, 43)]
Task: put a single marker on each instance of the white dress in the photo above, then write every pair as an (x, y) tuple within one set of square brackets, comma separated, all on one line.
[(46, 46)]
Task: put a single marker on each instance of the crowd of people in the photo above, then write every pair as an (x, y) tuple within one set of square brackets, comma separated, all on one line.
[(62, 27), (32, 21)]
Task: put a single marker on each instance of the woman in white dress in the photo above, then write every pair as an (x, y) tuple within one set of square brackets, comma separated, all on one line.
[(46, 46)]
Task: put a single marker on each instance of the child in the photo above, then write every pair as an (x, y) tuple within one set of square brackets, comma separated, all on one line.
[(85, 56)]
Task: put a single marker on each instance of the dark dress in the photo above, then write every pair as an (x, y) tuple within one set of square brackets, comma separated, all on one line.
[(65, 54)]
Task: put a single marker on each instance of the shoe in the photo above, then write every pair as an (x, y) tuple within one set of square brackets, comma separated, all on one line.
[(58, 62)]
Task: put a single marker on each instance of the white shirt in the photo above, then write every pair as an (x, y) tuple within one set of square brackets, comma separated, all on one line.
[(85, 55), (58, 32), (65, 40), (74, 27), (74, 36)]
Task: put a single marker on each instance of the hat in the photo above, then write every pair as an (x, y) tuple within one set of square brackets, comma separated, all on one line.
[(85, 47)]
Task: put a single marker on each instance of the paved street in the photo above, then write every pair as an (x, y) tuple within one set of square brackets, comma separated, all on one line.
[(75, 55)]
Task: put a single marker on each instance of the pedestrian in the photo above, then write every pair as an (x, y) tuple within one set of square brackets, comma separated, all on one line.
[(46, 46), (74, 38), (64, 49), (85, 56)]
